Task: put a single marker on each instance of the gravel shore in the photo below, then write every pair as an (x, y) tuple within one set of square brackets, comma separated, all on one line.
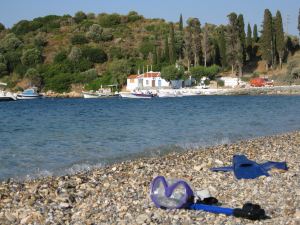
[(119, 194)]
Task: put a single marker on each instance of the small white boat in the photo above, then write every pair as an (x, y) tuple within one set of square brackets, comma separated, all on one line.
[(30, 93), (169, 94), (137, 94), (90, 95), (6, 96)]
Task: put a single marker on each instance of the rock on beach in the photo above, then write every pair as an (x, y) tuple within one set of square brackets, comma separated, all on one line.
[(119, 194)]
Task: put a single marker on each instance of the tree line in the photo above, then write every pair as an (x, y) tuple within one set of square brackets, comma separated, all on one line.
[(55, 52)]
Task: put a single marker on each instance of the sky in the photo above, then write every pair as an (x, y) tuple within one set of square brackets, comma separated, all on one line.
[(208, 11)]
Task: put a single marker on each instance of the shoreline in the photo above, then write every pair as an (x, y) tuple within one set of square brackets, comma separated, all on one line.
[(119, 193), (275, 90)]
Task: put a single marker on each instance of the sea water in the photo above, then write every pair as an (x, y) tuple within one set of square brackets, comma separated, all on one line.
[(59, 136)]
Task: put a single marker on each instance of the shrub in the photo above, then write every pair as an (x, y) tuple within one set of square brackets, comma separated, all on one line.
[(13, 59), (59, 83), (21, 69), (10, 42), (79, 39), (86, 76), (200, 71), (34, 77), (79, 16), (40, 40), (2, 27), (111, 20), (95, 55), (31, 57), (134, 16), (3, 69), (116, 53), (172, 73), (25, 26), (75, 54), (60, 57), (220, 83), (95, 33), (119, 70)]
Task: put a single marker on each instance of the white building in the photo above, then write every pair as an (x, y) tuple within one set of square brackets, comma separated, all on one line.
[(146, 81), (230, 81)]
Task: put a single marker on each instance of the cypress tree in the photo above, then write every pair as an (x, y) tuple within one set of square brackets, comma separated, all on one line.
[(167, 50), (249, 42), (299, 22), (279, 35), (173, 55), (222, 46), (242, 35), (234, 46), (155, 62), (255, 34), (266, 40), (180, 23)]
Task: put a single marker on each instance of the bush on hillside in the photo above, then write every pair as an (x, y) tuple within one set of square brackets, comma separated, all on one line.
[(31, 57), (2, 27), (10, 43), (79, 16), (3, 69), (109, 20), (34, 77), (79, 39), (95, 55)]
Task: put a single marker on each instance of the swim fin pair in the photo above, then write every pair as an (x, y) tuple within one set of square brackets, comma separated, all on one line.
[(243, 168)]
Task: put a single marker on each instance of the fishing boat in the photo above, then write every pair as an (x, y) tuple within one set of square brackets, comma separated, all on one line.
[(6, 96), (101, 93), (30, 93)]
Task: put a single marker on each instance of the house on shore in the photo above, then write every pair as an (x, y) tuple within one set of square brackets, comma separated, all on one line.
[(148, 80)]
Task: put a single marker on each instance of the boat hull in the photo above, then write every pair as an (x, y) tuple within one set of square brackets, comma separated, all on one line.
[(24, 97), (6, 99), (130, 95)]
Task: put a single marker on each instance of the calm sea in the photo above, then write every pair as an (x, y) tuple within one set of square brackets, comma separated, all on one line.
[(59, 136)]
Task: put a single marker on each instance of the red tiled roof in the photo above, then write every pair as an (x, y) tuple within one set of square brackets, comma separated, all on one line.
[(145, 75), (152, 74), (132, 76)]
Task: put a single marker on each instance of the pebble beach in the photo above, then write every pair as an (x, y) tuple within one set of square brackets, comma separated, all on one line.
[(119, 193)]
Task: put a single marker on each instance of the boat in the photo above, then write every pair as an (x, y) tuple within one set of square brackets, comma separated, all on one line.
[(137, 94), (169, 94), (101, 93), (6, 96), (30, 93)]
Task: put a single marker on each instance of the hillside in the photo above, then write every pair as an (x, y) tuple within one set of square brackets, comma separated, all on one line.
[(60, 52)]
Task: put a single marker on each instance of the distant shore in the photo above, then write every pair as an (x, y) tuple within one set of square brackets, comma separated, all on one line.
[(276, 90), (119, 194)]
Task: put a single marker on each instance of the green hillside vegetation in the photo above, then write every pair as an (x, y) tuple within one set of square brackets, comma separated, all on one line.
[(57, 52)]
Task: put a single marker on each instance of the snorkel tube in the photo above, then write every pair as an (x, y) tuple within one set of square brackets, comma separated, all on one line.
[(177, 194)]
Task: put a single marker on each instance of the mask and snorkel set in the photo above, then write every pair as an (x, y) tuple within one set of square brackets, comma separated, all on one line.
[(177, 194)]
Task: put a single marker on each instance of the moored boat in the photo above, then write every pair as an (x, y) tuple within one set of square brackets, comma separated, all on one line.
[(6, 96), (30, 93), (137, 94)]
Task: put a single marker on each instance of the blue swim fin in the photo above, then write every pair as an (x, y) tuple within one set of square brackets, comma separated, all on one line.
[(244, 168)]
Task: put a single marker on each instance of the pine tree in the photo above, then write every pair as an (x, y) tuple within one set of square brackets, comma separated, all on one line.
[(249, 42), (167, 50), (180, 23), (279, 36), (266, 40), (242, 35), (255, 34), (173, 55)]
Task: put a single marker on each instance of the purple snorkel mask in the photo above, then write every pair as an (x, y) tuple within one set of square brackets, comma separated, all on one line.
[(171, 194)]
